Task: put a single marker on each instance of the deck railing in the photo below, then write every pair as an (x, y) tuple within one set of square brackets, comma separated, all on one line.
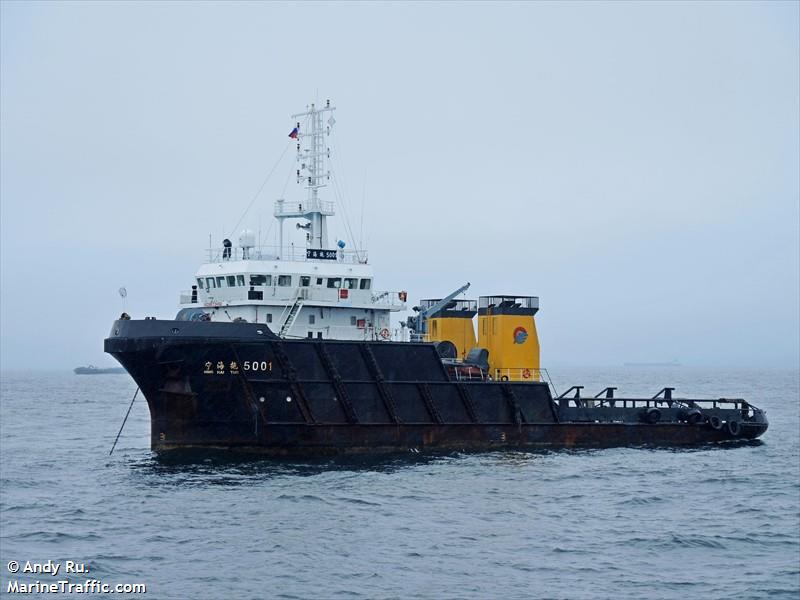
[(280, 295), (287, 253)]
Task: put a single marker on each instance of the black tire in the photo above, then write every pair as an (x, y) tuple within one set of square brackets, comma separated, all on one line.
[(715, 422), (504, 378), (694, 416), (734, 428), (652, 416)]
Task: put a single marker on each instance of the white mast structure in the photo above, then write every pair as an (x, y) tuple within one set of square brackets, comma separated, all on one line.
[(311, 154)]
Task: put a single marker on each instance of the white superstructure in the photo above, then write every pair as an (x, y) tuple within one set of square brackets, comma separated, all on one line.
[(314, 291)]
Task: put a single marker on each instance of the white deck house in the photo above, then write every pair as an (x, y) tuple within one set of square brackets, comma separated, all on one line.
[(311, 292)]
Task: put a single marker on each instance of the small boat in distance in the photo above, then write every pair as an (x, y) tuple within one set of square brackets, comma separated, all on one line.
[(92, 370)]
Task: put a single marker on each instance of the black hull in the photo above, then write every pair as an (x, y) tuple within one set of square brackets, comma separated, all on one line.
[(312, 398)]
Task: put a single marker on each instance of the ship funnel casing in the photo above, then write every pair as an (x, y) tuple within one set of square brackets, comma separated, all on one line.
[(453, 323), (507, 328)]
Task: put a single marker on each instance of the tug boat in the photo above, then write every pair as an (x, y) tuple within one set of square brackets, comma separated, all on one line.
[(290, 351), (92, 370)]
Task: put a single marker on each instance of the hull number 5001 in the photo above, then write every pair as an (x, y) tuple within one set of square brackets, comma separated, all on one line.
[(255, 365)]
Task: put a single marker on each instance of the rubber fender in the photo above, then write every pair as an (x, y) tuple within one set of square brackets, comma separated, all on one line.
[(715, 422), (694, 416), (734, 428), (652, 415)]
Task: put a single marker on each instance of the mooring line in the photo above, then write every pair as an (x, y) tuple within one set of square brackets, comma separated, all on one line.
[(125, 420)]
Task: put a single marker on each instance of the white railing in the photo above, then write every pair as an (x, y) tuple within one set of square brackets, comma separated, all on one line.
[(349, 332), (290, 209), (278, 294), (288, 253), (516, 374)]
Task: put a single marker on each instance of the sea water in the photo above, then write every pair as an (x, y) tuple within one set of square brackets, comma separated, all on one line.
[(716, 521)]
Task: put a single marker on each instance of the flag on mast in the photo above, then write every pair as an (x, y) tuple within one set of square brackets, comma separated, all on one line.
[(294, 133)]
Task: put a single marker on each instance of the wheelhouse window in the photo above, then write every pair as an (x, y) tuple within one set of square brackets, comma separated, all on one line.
[(305, 280), (260, 279), (200, 283), (210, 283), (350, 283), (240, 280), (231, 280), (365, 284), (220, 282), (334, 282), (284, 280), (319, 280)]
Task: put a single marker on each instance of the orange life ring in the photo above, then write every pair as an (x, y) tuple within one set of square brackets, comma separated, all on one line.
[(384, 333), (526, 373)]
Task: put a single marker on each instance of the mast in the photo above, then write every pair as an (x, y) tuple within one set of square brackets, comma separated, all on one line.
[(312, 153)]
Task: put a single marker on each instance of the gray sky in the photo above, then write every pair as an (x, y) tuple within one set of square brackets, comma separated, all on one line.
[(633, 164)]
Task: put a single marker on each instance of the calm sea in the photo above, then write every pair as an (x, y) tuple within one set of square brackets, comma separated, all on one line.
[(707, 522)]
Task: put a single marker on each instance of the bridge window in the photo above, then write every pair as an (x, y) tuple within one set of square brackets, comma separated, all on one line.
[(319, 280), (231, 280), (350, 283), (200, 282), (210, 283), (305, 280), (365, 283), (334, 282), (240, 280), (220, 282), (284, 280), (260, 279)]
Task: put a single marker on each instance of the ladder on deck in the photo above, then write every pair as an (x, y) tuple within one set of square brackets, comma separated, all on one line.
[(292, 316)]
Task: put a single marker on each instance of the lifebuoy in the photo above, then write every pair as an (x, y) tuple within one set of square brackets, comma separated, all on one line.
[(384, 333), (715, 422), (526, 373), (504, 378), (734, 428)]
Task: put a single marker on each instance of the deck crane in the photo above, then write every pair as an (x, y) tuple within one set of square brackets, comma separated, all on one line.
[(419, 323)]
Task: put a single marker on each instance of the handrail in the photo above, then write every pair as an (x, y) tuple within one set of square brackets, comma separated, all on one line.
[(280, 294), (276, 253), (289, 306), (469, 372)]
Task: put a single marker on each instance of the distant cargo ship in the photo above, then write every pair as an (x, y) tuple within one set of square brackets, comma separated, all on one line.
[(92, 370), (673, 363)]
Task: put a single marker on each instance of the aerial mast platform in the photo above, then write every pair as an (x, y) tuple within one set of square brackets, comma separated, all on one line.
[(312, 153)]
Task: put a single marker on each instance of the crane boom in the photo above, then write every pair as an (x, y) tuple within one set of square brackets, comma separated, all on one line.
[(422, 317)]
